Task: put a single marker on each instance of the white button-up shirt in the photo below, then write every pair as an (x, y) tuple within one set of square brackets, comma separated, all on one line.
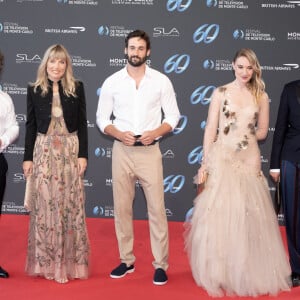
[(137, 109), (9, 128)]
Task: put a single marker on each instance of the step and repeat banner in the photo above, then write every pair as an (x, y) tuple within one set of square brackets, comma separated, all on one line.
[(193, 43)]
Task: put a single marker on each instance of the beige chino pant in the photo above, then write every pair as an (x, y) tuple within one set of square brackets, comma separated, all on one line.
[(144, 163)]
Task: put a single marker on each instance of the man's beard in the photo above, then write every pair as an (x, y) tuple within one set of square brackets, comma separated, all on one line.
[(136, 63)]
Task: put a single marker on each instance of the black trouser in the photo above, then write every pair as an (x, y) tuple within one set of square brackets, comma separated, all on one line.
[(290, 184), (3, 171)]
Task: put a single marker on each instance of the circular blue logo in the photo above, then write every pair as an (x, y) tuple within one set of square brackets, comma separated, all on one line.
[(208, 64), (98, 211), (211, 3), (99, 152), (203, 125), (238, 34), (98, 92), (103, 30)]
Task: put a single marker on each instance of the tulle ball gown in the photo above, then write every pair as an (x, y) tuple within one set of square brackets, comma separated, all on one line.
[(233, 238)]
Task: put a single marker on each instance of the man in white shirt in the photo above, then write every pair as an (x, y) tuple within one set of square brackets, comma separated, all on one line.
[(9, 131), (136, 96)]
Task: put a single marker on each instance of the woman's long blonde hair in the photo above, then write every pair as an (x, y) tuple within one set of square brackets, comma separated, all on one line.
[(68, 81), (256, 83)]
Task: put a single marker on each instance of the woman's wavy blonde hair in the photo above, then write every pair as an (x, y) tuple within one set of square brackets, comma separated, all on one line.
[(256, 83), (68, 81)]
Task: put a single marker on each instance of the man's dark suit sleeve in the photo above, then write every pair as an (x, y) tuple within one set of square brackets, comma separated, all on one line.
[(280, 130)]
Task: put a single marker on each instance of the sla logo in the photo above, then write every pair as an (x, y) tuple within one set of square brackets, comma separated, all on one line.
[(177, 63), (103, 30), (202, 94), (206, 33), (178, 5), (196, 155), (181, 124), (161, 31), (25, 58), (238, 34), (173, 183)]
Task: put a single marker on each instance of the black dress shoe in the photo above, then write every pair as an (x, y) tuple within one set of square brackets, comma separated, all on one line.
[(3, 273), (295, 279)]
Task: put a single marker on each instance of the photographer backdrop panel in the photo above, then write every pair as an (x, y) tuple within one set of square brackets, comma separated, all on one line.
[(193, 42)]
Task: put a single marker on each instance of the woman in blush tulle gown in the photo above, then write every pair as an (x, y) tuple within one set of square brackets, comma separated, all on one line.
[(233, 238)]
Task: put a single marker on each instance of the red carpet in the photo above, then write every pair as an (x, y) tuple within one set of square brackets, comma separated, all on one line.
[(138, 285)]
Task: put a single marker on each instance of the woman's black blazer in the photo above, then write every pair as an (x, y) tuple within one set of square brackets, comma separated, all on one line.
[(39, 116)]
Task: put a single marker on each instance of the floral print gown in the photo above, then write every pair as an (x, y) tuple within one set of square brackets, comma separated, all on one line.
[(58, 245), (233, 238)]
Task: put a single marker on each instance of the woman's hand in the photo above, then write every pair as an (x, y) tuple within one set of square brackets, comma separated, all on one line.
[(202, 174), (82, 164), (27, 168)]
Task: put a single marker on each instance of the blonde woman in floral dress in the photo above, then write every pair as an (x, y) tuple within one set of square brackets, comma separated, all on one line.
[(233, 239), (55, 160)]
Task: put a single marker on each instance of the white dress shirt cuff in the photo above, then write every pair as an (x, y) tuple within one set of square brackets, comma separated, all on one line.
[(275, 170)]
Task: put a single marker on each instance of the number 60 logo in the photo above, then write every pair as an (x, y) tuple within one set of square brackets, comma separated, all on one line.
[(206, 33), (173, 183), (178, 5), (177, 63)]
